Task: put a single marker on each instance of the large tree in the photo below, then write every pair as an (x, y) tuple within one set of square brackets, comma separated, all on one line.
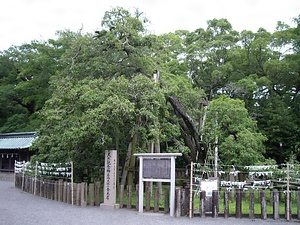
[(229, 127), (102, 94), (25, 72)]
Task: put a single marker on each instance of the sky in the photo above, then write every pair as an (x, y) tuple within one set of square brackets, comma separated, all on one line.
[(22, 21)]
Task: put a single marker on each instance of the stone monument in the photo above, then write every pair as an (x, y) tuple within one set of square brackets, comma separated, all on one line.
[(110, 180)]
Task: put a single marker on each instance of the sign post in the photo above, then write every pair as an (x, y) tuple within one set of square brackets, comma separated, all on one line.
[(157, 167)]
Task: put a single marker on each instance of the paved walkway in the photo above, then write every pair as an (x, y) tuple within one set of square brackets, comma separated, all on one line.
[(20, 208)]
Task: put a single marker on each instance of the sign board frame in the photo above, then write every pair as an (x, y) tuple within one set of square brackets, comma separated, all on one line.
[(143, 157)]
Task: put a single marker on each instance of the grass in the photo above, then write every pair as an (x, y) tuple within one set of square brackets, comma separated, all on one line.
[(232, 203)]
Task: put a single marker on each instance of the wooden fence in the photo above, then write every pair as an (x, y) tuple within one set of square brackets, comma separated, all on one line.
[(221, 204), (210, 206), (58, 190)]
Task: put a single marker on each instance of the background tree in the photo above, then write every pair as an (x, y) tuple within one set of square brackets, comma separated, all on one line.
[(92, 92), (239, 141), (24, 80)]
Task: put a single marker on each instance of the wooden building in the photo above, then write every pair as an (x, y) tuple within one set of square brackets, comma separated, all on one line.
[(15, 146)]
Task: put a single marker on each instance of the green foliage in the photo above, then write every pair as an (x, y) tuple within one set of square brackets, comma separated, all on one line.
[(238, 138), (24, 80), (90, 92)]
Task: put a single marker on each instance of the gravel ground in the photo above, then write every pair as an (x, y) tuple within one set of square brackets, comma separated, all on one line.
[(17, 207)]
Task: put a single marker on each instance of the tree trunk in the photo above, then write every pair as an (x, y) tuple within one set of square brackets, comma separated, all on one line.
[(189, 131), (128, 161)]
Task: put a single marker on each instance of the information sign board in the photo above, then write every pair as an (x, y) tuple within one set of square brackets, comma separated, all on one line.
[(157, 168)]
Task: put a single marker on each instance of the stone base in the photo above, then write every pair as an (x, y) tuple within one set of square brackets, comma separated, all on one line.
[(109, 206)]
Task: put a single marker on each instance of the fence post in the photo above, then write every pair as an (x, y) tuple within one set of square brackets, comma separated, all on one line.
[(232, 179), (75, 197), (202, 202), (69, 192), (215, 203), (178, 202), (121, 196), (91, 194), (226, 204), (65, 192), (298, 205), (83, 194), (238, 212), (148, 196), (288, 206), (23, 180), (167, 200), (137, 197), (52, 190), (156, 199), (263, 204), (97, 190), (129, 196), (251, 204), (275, 205), (78, 191), (55, 190), (46, 187), (60, 190), (38, 187), (35, 177), (32, 183), (42, 187), (185, 200), (28, 181)]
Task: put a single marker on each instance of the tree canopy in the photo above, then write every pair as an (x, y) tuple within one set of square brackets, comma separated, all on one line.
[(127, 89)]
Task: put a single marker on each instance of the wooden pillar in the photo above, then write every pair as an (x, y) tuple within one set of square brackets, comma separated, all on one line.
[(91, 194), (288, 206), (275, 205), (129, 197), (178, 202), (121, 196), (137, 197), (215, 204), (232, 179), (148, 197), (238, 212), (98, 191), (298, 205), (46, 187), (69, 192), (185, 199), (156, 199), (51, 189), (251, 204), (60, 190), (263, 204), (202, 202), (37, 191), (42, 187), (83, 199), (55, 190), (65, 192), (226, 204), (78, 195), (76, 199), (167, 200)]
